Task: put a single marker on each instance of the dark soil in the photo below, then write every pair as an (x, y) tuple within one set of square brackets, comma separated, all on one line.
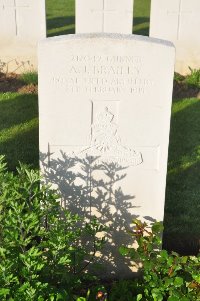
[(12, 83)]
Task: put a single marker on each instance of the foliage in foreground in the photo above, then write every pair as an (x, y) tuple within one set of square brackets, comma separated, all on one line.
[(191, 79), (29, 78), (164, 276), (41, 255)]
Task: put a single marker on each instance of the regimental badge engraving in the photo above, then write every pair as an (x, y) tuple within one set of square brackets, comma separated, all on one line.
[(106, 143)]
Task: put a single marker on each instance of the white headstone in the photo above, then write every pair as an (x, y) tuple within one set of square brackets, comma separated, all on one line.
[(178, 21), (104, 106), (22, 24), (108, 16)]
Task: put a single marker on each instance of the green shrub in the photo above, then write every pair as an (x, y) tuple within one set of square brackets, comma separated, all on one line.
[(167, 277), (125, 290), (193, 79), (178, 77), (29, 78), (41, 255)]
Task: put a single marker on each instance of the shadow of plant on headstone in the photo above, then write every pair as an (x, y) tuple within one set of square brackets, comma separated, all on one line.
[(91, 188), (14, 66)]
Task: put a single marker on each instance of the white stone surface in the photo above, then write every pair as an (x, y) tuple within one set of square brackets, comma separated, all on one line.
[(104, 106), (22, 24), (178, 21), (104, 16)]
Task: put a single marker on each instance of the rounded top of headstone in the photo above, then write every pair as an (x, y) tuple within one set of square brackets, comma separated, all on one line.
[(105, 36)]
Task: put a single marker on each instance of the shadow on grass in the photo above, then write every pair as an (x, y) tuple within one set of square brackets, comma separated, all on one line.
[(61, 32), (16, 109), (182, 210), (19, 129), (57, 24), (66, 25), (141, 26)]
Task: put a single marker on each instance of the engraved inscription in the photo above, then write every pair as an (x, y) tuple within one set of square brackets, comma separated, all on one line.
[(104, 74)]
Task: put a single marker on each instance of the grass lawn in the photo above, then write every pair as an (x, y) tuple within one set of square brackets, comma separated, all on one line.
[(141, 17), (19, 136), (182, 210), (60, 17), (19, 128)]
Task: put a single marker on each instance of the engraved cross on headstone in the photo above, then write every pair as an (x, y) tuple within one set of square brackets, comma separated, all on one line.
[(105, 142), (15, 7), (103, 11), (180, 13)]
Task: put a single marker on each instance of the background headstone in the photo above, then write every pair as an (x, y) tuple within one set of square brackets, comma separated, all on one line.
[(108, 16), (178, 21), (22, 24), (104, 106)]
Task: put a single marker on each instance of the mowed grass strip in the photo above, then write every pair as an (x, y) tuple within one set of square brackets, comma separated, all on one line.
[(19, 129), (182, 210), (60, 17), (141, 17)]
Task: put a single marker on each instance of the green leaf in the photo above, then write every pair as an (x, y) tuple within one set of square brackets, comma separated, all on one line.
[(139, 297), (184, 259), (164, 254), (64, 260), (157, 296), (59, 297), (88, 295), (4, 291), (196, 278), (124, 251), (178, 281), (168, 281), (175, 254), (173, 298), (137, 222), (157, 227)]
